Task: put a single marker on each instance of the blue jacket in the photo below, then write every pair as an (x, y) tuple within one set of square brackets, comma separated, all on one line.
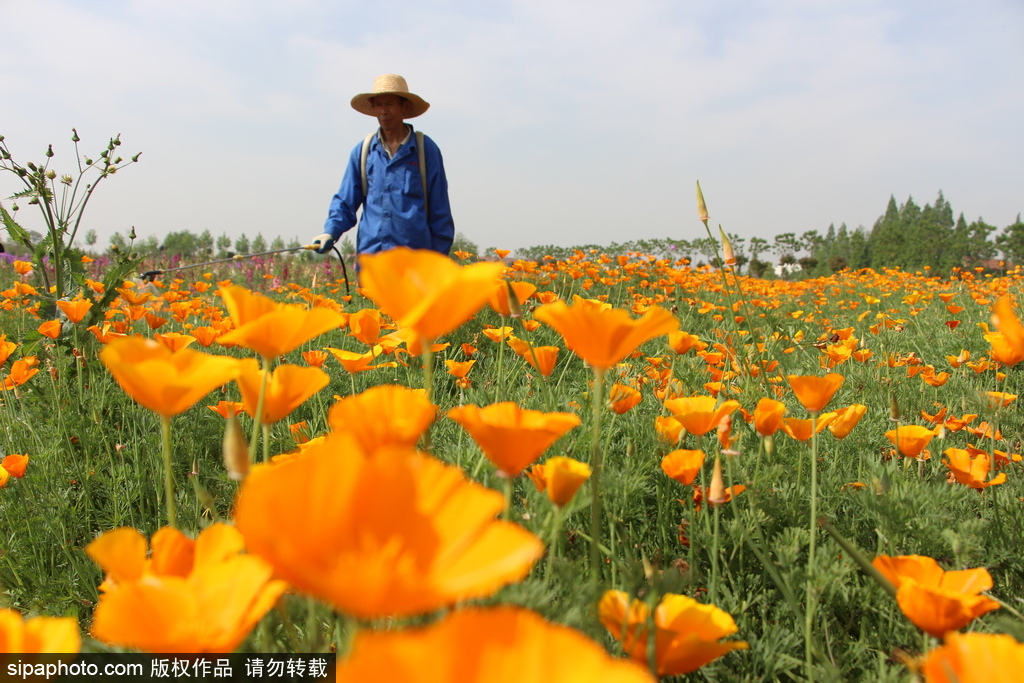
[(393, 213)]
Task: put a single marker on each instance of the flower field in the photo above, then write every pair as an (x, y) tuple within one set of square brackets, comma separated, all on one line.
[(612, 467)]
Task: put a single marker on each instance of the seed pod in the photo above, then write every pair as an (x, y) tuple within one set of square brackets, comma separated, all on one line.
[(894, 408)]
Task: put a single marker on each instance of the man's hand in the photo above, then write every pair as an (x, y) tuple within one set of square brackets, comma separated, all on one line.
[(323, 243)]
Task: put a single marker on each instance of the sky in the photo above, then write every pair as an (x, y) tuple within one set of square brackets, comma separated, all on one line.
[(561, 122)]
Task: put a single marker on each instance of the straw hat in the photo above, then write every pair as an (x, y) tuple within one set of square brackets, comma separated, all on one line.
[(389, 84)]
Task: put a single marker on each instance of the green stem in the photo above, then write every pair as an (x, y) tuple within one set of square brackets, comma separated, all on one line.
[(258, 417), (553, 544), (428, 385), (595, 480), (172, 517), (811, 597)]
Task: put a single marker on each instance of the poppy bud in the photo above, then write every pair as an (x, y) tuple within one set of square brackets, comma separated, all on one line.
[(702, 209), (728, 256), (717, 493), (74, 135), (235, 450), (49, 151), (769, 445), (894, 408), (515, 310)]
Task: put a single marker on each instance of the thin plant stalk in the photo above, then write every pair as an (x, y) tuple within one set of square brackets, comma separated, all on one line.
[(172, 517), (258, 418), (811, 596), (595, 480)]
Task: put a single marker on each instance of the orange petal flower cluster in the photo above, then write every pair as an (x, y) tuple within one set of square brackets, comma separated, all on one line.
[(603, 337), (288, 387), (936, 601), (510, 436), (270, 328), (700, 414), (189, 596), (497, 645), (37, 635), (380, 536), (560, 478), (687, 634), (971, 468), (426, 291), (165, 382)]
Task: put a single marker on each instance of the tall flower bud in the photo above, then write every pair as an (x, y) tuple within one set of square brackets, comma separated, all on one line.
[(702, 208)]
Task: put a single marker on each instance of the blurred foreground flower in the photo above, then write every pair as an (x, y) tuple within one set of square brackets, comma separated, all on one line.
[(975, 658), (687, 633), (936, 601), (496, 645), (38, 634), (393, 534), (189, 596), (382, 416)]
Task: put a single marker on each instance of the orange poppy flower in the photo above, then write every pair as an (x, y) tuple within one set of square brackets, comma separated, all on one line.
[(175, 341), (272, 329), (846, 419), (687, 634), (999, 399), (22, 267), (365, 325), (164, 382), (205, 335), (723, 496), (189, 596), (357, 362), (497, 334), (39, 634), (668, 428), (622, 398), (499, 299), (315, 358), (496, 645), (384, 415), (802, 430), (936, 601), (380, 536), (51, 329), (971, 469), (683, 465), (459, 369), (6, 349), (603, 337), (520, 346), (560, 477), (814, 393), (288, 387), (227, 408), (511, 437), (426, 291), (974, 658), (768, 416), (910, 440), (546, 356), (699, 414), (1011, 333)]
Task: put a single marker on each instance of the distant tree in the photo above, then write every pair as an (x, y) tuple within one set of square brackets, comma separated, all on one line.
[(150, 245), (182, 243), (886, 242), (90, 237), (786, 245), (837, 263), (259, 244), (204, 243), (1011, 242), (242, 245), (223, 245), (757, 247), (118, 240), (277, 244)]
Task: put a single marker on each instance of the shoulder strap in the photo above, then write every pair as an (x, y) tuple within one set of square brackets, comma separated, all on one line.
[(422, 153), (365, 152)]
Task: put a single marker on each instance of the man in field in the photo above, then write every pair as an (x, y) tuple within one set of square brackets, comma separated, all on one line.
[(396, 175)]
